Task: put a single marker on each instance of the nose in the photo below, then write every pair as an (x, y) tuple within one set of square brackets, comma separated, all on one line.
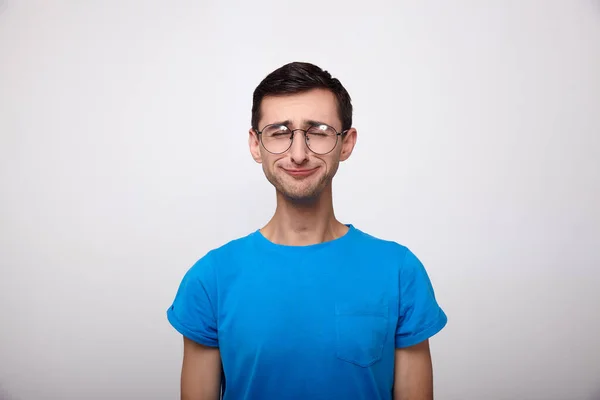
[(299, 150)]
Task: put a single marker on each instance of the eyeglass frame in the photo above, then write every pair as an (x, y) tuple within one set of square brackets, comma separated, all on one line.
[(305, 131)]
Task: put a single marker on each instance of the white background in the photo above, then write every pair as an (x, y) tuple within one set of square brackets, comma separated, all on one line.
[(123, 159)]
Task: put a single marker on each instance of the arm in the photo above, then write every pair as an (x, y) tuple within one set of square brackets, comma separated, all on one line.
[(413, 375), (200, 372), (194, 315), (419, 318)]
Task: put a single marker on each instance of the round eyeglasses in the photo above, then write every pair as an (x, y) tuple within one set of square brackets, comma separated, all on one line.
[(319, 138)]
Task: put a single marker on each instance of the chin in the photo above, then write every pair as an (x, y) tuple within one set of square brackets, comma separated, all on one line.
[(302, 195), (301, 198)]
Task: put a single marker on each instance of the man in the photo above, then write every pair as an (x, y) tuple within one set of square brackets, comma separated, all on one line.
[(305, 307)]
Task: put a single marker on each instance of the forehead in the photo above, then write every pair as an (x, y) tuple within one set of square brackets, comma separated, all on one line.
[(316, 105)]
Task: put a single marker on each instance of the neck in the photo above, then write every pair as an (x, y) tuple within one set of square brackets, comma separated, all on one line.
[(302, 224)]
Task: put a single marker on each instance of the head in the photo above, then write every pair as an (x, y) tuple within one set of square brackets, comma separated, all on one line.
[(303, 102)]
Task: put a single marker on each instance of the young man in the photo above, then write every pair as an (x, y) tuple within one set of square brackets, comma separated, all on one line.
[(305, 307)]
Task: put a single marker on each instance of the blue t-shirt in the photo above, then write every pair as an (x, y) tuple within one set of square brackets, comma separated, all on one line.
[(307, 322)]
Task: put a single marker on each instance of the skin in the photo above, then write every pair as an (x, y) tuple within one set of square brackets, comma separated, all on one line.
[(413, 375), (200, 372), (304, 215)]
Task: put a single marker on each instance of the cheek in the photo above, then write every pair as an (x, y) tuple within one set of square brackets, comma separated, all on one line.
[(329, 162), (271, 162), (332, 167)]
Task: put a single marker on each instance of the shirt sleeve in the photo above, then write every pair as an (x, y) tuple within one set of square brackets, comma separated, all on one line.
[(419, 315), (193, 311)]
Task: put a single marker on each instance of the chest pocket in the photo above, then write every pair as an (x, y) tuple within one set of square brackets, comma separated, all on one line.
[(361, 332)]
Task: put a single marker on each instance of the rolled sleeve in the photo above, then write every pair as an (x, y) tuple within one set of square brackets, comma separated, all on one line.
[(419, 315), (193, 312)]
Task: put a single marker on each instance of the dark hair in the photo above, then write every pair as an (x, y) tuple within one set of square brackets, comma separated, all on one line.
[(298, 77)]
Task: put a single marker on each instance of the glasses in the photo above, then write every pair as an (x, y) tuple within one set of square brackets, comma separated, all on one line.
[(320, 138)]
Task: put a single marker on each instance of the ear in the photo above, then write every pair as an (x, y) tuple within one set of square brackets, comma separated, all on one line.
[(348, 143), (254, 144)]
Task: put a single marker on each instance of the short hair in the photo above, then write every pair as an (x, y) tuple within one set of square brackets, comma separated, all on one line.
[(298, 77)]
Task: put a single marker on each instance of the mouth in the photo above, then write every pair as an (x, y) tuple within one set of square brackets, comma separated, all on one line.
[(300, 173)]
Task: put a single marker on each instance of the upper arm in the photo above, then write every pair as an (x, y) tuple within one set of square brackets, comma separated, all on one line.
[(413, 374), (419, 315), (201, 372), (419, 318), (194, 314)]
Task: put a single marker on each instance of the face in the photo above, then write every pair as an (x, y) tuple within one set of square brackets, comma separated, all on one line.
[(299, 174)]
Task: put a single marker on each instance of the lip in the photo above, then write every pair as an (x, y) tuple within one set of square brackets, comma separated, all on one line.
[(300, 172)]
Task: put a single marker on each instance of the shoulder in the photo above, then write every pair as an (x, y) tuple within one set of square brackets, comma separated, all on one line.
[(398, 253), (223, 255), (388, 247)]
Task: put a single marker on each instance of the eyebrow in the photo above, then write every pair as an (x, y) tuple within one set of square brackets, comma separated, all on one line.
[(309, 122), (314, 123), (286, 122)]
